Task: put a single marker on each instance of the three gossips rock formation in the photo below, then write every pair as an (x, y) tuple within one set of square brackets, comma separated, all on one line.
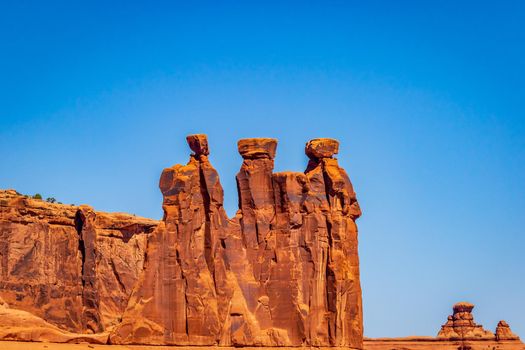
[(283, 272)]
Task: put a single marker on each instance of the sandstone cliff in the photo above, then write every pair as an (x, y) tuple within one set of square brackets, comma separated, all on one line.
[(70, 266)]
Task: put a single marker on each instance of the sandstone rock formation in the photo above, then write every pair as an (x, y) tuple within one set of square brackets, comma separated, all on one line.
[(70, 266), (460, 332), (503, 332), (283, 272), (461, 325)]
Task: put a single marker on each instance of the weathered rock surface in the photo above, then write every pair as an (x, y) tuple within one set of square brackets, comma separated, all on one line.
[(283, 272), (70, 266), (321, 148), (503, 332), (461, 326)]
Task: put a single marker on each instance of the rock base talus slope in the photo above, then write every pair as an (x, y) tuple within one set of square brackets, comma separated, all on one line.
[(283, 272)]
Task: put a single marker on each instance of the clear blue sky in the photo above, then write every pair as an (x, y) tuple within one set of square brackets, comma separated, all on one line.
[(426, 97)]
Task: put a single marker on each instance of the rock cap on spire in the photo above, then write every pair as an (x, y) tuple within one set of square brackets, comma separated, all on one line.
[(321, 148), (463, 306), (254, 148), (198, 144)]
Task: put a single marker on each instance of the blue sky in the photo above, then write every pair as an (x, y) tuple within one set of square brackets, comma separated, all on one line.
[(426, 98)]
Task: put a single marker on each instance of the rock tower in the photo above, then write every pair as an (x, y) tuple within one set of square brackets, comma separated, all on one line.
[(283, 272)]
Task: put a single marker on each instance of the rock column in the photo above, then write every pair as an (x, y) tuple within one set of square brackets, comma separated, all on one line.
[(332, 209)]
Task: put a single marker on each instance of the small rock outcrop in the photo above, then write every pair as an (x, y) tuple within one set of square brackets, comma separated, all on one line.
[(460, 332), (503, 332), (461, 326)]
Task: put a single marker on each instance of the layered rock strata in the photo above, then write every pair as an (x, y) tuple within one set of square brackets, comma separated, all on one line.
[(283, 272), (70, 266)]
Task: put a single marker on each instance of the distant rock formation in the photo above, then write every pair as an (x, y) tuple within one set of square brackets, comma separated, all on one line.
[(283, 272), (503, 332), (460, 332), (461, 325)]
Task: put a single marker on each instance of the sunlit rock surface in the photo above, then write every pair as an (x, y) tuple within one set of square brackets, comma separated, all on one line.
[(283, 272), (69, 266)]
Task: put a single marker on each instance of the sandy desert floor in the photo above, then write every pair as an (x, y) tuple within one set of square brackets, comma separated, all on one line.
[(376, 344), (13, 345)]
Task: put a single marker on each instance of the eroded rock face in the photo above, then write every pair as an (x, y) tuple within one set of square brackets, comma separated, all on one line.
[(69, 266), (283, 272), (176, 301)]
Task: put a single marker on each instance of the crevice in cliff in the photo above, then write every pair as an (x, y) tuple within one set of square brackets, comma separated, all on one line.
[(79, 225), (239, 198), (183, 277), (208, 239), (257, 230), (4, 253), (330, 278), (240, 210), (327, 185), (86, 247)]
